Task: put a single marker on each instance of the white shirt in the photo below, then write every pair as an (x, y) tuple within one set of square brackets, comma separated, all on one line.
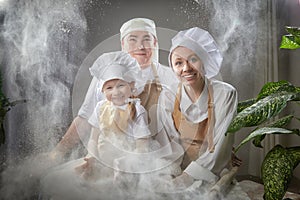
[(208, 165), (194, 112)]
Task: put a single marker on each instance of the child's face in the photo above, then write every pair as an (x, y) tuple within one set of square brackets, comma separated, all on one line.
[(117, 91)]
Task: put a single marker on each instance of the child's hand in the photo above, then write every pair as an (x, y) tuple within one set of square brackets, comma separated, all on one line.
[(88, 169)]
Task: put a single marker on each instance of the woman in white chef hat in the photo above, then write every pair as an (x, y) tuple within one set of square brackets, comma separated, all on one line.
[(202, 108)]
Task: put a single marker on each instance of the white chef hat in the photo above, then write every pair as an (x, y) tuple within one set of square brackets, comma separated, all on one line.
[(203, 45), (140, 24), (116, 65)]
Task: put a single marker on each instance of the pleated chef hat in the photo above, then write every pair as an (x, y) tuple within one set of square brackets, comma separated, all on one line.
[(116, 65), (203, 45), (138, 24)]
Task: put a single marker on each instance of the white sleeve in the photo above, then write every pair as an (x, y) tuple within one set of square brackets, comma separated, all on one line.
[(94, 119), (92, 146), (225, 109), (91, 98)]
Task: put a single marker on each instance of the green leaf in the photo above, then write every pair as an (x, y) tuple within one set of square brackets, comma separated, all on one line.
[(275, 87), (298, 94), (289, 42), (257, 140), (294, 36), (277, 170), (294, 152), (261, 111), (295, 31), (244, 104), (282, 122), (263, 131), (296, 131)]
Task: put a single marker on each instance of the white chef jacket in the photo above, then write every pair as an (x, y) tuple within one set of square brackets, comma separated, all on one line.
[(208, 165)]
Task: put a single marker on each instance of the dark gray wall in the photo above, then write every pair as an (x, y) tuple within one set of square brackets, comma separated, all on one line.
[(240, 28)]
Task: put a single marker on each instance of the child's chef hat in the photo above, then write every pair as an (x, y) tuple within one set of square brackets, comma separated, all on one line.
[(116, 65)]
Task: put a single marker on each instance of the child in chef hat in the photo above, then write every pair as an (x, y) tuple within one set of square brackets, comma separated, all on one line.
[(119, 121)]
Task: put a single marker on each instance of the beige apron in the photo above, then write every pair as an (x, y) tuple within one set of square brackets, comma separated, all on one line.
[(149, 98), (113, 119), (195, 138)]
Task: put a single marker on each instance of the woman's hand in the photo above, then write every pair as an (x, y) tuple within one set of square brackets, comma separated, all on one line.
[(166, 184), (183, 181)]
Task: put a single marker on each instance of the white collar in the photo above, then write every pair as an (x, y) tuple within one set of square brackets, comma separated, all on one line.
[(147, 72), (123, 107), (201, 102)]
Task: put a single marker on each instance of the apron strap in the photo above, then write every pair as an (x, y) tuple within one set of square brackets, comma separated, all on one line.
[(211, 119), (156, 77)]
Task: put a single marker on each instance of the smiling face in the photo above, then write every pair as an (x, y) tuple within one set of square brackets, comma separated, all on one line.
[(187, 66), (140, 45), (117, 91)]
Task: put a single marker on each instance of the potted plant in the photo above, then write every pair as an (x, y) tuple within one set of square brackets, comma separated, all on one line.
[(279, 163)]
